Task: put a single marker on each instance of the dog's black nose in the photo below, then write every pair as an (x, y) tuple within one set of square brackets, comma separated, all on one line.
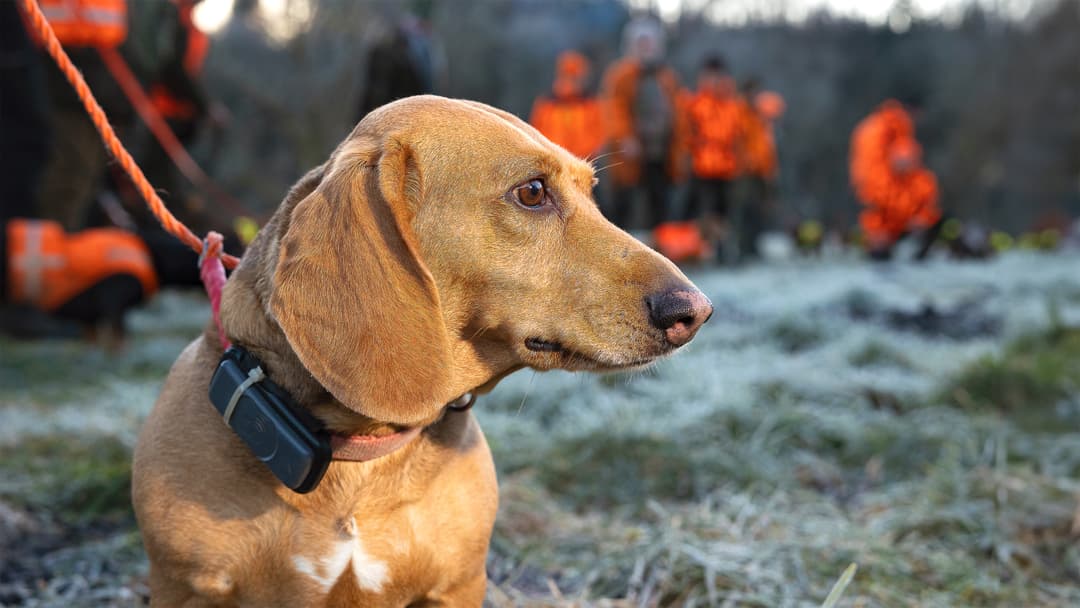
[(679, 312)]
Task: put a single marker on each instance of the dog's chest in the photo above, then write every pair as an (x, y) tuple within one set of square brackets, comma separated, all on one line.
[(327, 563), (351, 558)]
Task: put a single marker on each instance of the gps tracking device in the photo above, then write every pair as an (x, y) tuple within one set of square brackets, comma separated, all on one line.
[(278, 432)]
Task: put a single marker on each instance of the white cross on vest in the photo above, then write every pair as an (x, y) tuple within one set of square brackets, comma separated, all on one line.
[(33, 262)]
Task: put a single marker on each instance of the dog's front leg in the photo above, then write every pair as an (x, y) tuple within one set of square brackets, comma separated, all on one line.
[(469, 593)]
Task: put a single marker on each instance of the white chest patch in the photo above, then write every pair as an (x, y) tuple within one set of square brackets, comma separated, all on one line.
[(371, 574)]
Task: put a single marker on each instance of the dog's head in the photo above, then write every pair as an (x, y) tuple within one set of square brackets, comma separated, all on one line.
[(446, 244)]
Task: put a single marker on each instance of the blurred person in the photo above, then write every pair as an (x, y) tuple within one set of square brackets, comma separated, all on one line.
[(400, 64), (76, 166), (889, 179), (716, 139), (568, 116), (646, 130), (760, 109), (168, 50)]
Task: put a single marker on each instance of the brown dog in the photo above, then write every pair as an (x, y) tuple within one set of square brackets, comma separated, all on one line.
[(444, 245)]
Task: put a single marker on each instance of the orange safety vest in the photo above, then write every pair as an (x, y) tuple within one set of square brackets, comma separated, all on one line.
[(94, 23), (574, 123), (47, 268), (759, 148), (195, 51), (716, 132)]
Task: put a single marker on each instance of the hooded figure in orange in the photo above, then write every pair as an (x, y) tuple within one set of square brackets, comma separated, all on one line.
[(888, 177), (644, 126), (568, 117)]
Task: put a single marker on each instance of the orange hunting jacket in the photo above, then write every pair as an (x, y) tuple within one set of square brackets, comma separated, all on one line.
[(575, 123), (909, 201)]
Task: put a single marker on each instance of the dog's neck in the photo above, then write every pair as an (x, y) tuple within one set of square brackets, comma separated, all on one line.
[(248, 324)]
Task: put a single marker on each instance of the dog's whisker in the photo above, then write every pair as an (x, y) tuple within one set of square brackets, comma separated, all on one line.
[(606, 167), (480, 331), (592, 159), (528, 390)]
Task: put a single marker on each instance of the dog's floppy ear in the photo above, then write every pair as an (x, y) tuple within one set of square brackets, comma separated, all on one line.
[(350, 292)]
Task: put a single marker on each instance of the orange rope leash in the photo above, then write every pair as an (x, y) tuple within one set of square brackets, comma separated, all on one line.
[(48, 38)]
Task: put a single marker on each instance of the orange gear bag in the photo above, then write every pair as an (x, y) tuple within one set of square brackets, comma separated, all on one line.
[(94, 23), (47, 268), (680, 241)]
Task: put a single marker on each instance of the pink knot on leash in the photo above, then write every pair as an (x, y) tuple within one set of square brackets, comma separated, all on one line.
[(212, 273)]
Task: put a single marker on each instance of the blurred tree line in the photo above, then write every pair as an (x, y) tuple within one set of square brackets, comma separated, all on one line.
[(1000, 121)]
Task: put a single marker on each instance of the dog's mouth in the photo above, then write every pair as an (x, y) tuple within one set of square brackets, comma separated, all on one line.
[(543, 346), (571, 359)]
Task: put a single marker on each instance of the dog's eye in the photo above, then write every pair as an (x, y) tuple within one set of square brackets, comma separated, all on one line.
[(531, 193)]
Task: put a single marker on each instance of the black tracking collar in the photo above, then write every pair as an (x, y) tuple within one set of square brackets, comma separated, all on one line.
[(291, 442)]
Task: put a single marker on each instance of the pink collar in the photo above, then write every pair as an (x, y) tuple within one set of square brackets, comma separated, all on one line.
[(361, 448)]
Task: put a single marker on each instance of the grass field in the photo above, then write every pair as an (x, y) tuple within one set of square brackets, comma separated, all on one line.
[(920, 422)]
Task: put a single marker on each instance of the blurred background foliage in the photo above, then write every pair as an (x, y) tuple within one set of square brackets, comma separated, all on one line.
[(999, 88)]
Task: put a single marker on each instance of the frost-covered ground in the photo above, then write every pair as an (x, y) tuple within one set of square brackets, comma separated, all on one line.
[(830, 413)]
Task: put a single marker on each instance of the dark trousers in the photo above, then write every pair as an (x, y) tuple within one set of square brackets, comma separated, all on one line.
[(654, 185), (709, 197), (752, 220), (24, 127)]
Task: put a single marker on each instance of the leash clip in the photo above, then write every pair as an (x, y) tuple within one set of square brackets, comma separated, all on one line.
[(211, 247), (202, 256)]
